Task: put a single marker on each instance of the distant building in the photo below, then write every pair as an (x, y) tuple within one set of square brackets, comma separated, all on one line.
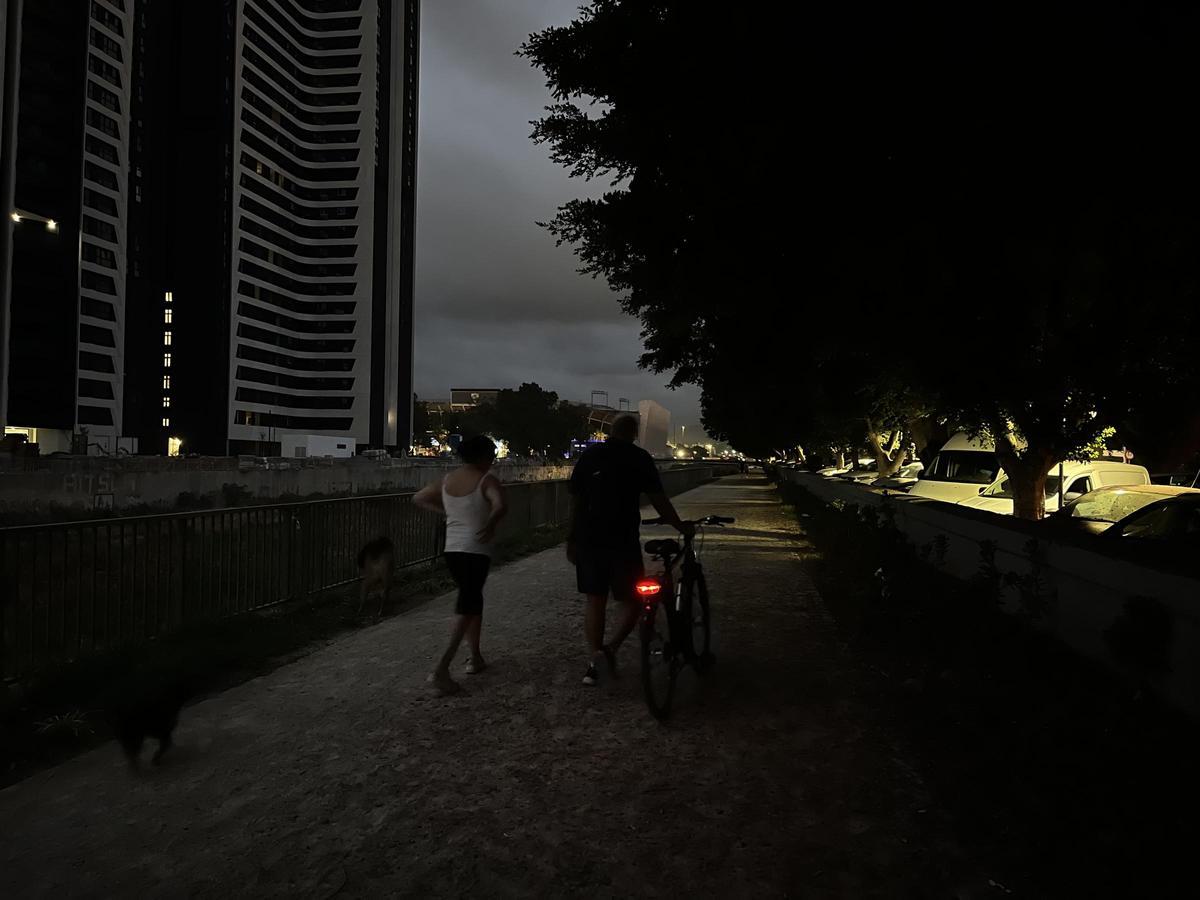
[(654, 425), (469, 398), (232, 184)]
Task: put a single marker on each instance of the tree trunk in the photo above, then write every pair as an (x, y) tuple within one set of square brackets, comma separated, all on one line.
[(890, 457), (929, 435), (1029, 494), (1027, 475)]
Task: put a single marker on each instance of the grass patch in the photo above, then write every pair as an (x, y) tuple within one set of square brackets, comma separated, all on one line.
[(62, 711)]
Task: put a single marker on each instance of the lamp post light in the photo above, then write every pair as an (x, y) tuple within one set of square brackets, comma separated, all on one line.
[(20, 215)]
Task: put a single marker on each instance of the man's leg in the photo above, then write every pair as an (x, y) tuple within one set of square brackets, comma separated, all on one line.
[(593, 622), (629, 619), (630, 572)]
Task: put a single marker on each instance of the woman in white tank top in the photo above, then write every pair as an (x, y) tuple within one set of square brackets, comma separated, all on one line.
[(472, 501)]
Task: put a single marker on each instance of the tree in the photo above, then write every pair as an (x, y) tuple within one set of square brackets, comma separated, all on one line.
[(530, 420), (1078, 280), (937, 237), (533, 421), (737, 263)]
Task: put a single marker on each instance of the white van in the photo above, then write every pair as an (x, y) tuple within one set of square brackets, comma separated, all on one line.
[(958, 471), (1077, 479)]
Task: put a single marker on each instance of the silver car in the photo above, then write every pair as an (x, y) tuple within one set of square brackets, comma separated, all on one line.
[(1098, 510)]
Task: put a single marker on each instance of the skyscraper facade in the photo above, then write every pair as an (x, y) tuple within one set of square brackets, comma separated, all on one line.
[(245, 223), (317, 214)]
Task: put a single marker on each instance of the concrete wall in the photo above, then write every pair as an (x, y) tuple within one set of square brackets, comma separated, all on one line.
[(1088, 589), (82, 484), (116, 484)]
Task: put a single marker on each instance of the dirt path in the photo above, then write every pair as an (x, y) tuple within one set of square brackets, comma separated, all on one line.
[(338, 774)]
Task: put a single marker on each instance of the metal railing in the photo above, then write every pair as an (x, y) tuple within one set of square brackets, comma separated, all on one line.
[(75, 588)]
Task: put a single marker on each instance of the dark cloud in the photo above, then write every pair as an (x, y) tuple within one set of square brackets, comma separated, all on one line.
[(497, 302)]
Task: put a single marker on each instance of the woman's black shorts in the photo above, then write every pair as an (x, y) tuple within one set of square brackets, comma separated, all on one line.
[(470, 571)]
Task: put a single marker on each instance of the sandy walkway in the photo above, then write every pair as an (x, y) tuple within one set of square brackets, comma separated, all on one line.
[(337, 774)]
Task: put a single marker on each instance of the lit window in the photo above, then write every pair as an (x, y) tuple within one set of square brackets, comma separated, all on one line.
[(166, 317), (166, 339), (166, 422), (173, 446), (166, 382), (169, 297), (166, 402), (166, 360)]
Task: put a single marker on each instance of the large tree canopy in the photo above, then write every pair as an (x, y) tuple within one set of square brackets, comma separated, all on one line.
[(843, 221)]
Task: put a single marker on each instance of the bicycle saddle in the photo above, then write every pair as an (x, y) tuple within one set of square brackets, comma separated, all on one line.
[(664, 547)]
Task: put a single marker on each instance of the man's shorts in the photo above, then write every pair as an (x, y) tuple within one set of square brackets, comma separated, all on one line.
[(599, 570)]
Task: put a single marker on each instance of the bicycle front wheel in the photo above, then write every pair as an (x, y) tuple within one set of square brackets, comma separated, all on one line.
[(696, 603), (660, 660)]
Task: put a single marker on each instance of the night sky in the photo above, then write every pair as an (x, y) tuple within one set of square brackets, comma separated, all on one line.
[(496, 302)]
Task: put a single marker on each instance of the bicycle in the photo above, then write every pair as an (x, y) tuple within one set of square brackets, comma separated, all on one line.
[(676, 633)]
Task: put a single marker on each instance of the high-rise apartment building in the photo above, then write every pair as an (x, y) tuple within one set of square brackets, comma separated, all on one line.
[(66, 270), (245, 223)]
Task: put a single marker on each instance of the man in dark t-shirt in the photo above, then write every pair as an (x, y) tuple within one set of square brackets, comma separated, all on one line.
[(604, 541)]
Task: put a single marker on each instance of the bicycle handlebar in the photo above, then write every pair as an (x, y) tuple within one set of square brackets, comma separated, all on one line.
[(707, 520)]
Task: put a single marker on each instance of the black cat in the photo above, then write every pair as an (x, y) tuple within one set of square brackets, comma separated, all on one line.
[(148, 710)]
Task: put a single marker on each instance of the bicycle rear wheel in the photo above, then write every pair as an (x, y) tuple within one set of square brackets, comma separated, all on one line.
[(660, 660)]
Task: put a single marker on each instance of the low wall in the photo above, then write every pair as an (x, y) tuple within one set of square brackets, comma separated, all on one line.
[(1088, 589), (85, 484)]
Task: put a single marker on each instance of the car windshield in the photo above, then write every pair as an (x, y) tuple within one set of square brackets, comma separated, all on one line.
[(1109, 506), (965, 466)]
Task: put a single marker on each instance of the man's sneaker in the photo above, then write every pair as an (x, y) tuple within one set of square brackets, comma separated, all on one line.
[(591, 676)]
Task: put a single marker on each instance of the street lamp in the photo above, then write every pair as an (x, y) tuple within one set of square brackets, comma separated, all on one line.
[(19, 215)]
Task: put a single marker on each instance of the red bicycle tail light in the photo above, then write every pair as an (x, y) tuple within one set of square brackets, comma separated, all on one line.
[(648, 588)]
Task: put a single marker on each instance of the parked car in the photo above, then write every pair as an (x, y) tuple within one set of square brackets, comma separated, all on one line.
[(1177, 479), (1163, 533), (958, 470), (832, 471), (903, 478), (1078, 478), (863, 475), (1096, 511)]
